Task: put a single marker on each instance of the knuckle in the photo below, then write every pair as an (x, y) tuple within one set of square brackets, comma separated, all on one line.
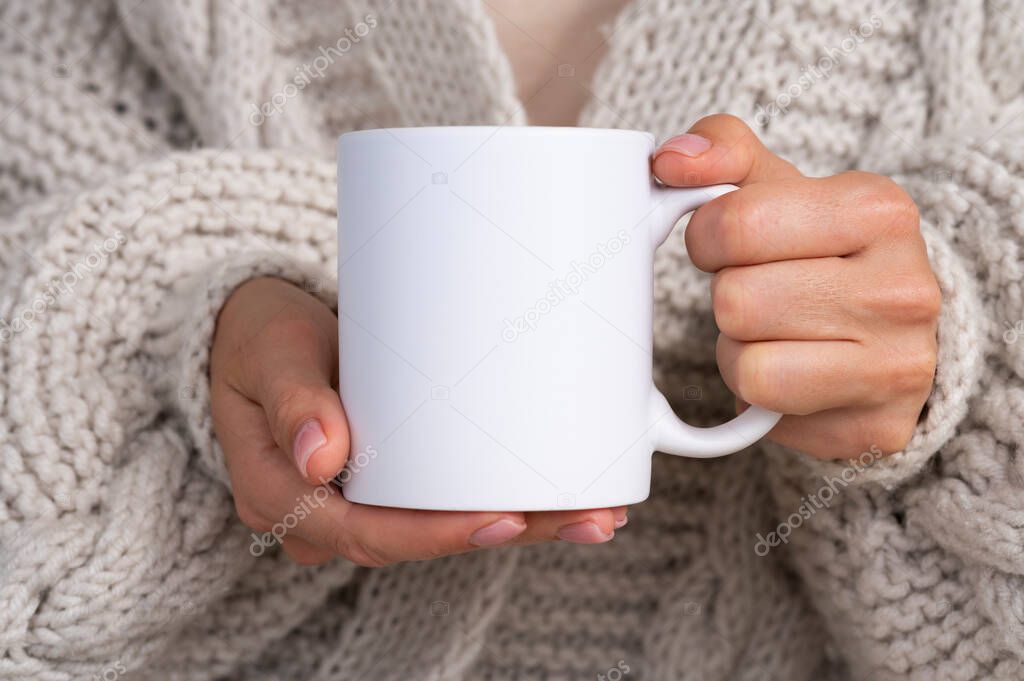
[(927, 300), (912, 371), (727, 125), (737, 218), (908, 210), (891, 435), (358, 552), (888, 205), (297, 330), (290, 404), (728, 299), (755, 377), (911, 300), (435, 551)]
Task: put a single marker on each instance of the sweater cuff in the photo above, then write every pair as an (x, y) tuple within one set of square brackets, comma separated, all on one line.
[(961, 334), (192, 398)]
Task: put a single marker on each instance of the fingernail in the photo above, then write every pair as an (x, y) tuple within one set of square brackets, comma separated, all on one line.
[(308, 440), (688, 145), (586, 532), (496, 533), (621, 522)]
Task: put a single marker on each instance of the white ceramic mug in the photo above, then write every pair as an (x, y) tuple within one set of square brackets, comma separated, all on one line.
[(495, 318)]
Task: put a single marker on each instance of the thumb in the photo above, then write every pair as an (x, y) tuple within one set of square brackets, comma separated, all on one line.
[(309, 424), (292, 380), (717, 149)]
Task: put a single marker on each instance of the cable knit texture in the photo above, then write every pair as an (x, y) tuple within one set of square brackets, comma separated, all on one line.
[(156, 153)]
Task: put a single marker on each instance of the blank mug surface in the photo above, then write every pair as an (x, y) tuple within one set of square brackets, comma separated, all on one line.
[(495, 315)]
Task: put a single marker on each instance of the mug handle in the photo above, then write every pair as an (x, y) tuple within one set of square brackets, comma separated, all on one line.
[(671, 434)]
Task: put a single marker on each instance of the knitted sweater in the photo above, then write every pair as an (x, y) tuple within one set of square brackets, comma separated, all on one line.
[(156, 153)]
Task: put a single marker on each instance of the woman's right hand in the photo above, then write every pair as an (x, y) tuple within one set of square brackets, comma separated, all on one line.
[(280, 422)]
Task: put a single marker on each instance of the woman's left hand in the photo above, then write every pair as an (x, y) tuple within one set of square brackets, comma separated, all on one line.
[(822, 291)]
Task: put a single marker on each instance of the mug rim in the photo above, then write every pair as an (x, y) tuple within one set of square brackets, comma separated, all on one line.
[(516, 129)]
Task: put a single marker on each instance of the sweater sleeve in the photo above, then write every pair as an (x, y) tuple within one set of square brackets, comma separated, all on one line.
[(916, 559), (111, 471), (969, 504), (272, 216)]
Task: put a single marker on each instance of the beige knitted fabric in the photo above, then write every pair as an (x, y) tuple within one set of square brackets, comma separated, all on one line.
[(155, 153)]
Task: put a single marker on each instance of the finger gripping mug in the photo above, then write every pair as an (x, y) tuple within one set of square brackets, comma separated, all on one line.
[(495, 315)]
